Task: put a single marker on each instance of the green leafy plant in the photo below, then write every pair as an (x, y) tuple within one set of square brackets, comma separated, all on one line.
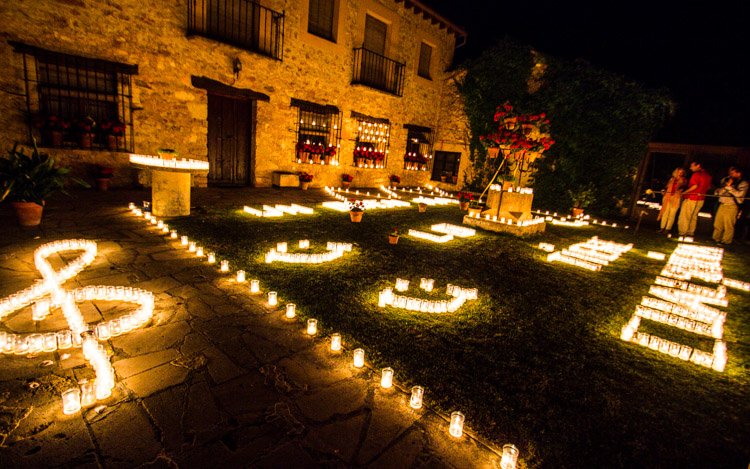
[(32, 178), (394, 232), (582, 196)]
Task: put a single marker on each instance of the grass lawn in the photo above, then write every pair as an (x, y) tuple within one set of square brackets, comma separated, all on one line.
[(536, 360)]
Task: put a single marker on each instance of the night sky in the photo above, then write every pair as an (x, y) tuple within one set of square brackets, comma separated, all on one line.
[(698, 51)]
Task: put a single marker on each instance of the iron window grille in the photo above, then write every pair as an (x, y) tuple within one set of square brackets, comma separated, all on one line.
[(372, 141), (320, 18), (242, 23), (445, 164), (418, 155), (378, 71), (425, 57), (318, 131), (78, 102)]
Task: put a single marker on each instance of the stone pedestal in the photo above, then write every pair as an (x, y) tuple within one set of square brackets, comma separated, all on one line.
[(170, 193), (505, 211), (514, 229), (285, 179)]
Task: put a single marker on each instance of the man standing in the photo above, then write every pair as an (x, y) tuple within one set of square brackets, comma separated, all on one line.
[(731, 195), (694, 197)]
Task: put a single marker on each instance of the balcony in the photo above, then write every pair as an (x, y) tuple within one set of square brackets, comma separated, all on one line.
[(378, 71), (242, 23)]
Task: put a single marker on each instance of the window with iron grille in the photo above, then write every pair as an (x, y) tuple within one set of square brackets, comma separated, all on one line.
[(418, 148), (445, 166), (371, 145), (318, 130), (320, 18), (425, 57), (78, 102)]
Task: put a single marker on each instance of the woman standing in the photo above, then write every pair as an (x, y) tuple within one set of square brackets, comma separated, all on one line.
[(670, 203)]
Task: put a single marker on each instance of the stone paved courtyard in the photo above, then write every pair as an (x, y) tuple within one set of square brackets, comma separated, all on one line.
[(216, 379)]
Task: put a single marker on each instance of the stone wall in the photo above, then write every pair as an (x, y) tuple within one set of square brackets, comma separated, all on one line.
[(171, 113)]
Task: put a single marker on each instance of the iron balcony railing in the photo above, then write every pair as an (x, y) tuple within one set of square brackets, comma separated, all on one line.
[(243, 23), (378, 71)]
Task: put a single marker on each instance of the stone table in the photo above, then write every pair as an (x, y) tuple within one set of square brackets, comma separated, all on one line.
[(170, 183)]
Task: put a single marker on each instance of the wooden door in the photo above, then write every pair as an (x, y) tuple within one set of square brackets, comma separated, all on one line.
[(375, 35), (229, 140)]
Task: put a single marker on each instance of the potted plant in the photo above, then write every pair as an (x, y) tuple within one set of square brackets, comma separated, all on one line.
[(463, 200), (317, 152), (113, 130), (454, 178), (167, 153), (356, 210), (85, 128), (303, 151), (329, 154), (422, 207), (103, 175), (581, 197), (52, 128), (304, 180), (27, 180), (395, 181), (443, 176), (393, 236), (346, 180)]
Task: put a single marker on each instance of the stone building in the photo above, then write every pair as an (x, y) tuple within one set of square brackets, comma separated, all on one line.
[(252, 87)]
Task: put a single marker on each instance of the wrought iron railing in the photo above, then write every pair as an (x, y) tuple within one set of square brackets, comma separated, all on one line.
[(243, 23), (378, 71)]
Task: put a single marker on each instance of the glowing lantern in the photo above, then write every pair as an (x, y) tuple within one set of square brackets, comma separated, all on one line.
[(336, 342), (417, 394), (254, 286), (312, 326), (240, 276), (386, 378), (272, 298), (456, 428), (291, 309), (224, 266), (71, 401), (509, 458), (359, 358)]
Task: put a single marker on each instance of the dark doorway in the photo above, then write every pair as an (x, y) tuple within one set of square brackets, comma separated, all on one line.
[(445, 163), (230, 133)]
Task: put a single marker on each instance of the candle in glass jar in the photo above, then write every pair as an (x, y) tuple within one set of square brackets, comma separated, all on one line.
[(281, 247), (291, 310), (88, 393), (40, 310), (359, 358), (240, 276), (184, 240), (199, 251), (254, 286), (192, 247), (336, 342), (457, 424), (71, 401), (272, 298), (510, 457), (415, 401), (304, 243), (173, 234), (386, 378), (312, 326), (224, 266)]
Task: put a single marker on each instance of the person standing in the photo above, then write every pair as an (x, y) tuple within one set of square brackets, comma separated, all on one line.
[(670, 202), (731, 196), (694, 197)]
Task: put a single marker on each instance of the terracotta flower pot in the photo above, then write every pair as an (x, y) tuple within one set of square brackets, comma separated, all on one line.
[(316, 158), (394, 185), (304, 185), (464, 206), (86, 140), (356, 217), (28, 213), (577, 212), (345, 184), (422, 208), (492, 152), (392, 239)]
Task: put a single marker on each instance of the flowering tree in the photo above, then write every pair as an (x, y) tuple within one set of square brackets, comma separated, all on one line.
[(522, 138)]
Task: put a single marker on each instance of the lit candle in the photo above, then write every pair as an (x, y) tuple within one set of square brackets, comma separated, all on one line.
[(312, 326), (359, 358), (211, 258), (417, 393), (40, 310), (336, 342), (173, 234), (165, 229), (304, 243), (272, 298), (510, 457), (224, 266), (71, 401), (199, 251), (402, 284), (192, 247), (281, 247), (88, 393), (457, 424), (254, 286), (386, 378), (184, 240), (160, 224), (291, 310), (240, 276)]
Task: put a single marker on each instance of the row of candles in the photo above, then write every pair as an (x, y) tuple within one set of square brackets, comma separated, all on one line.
[(591, 254), (683, 305), (158, 162), (507, 221), (278, 210), (520, 190), (49, 293), (280, 254), (457, 419), (459, 295)]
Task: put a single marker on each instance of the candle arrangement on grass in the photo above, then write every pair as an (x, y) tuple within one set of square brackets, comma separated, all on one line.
[(458, 295), (333, 251)]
